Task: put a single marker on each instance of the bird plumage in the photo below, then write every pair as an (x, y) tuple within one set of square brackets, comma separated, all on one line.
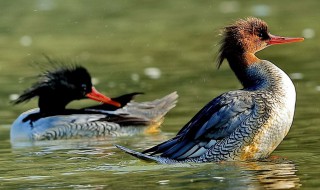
[(245, 124), (52, 120)]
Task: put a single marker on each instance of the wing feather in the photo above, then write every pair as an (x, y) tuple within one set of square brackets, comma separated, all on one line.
[(216, 121)]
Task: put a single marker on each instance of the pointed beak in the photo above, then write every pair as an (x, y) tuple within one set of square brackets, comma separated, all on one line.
[(282, 40), (97, 96)]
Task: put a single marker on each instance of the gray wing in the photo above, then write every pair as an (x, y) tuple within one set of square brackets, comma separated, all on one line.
[(73, 126), (216, 121)]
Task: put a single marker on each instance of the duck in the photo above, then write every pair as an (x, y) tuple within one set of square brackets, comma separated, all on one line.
[(111, 117), (238, 125)]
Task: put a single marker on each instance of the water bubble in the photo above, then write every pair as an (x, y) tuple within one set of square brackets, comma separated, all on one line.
[(229, 6), (261, 10), (219, 178), (152, 72), (308, 33), (26, 41), (296, 76), (45, 5), (13, 97), (95, 81), (135, 77), (164, 182)]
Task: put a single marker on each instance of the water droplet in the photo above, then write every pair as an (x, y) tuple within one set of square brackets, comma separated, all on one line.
[(26, 41), (261, 10), (135, 77), (95, 81), (164, 182), (296, 76), (229, 6), (220, 178), (152, 72), (45, 5), (13, 97), (308, 33)]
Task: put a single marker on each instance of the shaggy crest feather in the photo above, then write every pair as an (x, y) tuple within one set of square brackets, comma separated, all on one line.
[(51, 78), (233, 34)]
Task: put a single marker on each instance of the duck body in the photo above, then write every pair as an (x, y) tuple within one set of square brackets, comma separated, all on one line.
[(246, 124), (132, 119), (118, 116), (253, 121), (50, 127), (239, 125)]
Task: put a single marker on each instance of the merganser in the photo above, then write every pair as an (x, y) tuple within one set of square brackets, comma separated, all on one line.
[(58, 87), (245, 124)]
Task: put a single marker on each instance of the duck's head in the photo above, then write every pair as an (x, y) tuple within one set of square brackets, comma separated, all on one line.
[(56, 88), (246, 37)]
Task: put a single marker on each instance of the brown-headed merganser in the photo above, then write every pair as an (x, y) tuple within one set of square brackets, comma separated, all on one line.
[(245, 124)]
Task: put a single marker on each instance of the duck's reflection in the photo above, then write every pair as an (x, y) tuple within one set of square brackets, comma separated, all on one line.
[(273, 173), (268, 174)]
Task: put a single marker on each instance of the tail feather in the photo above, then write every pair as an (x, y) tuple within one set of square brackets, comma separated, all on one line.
[(138, 154), (149, 158), (153, 111), (149, 114)]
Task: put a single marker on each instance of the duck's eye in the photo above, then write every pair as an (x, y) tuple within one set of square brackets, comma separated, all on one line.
[(263, 35), (84, 87)]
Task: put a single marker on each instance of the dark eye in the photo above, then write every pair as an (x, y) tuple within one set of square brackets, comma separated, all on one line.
[(84, 87), (263, 35)]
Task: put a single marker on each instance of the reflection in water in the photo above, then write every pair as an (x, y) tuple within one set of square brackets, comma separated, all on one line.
[(273, 173), (81, 147), (268, 174), (99, 160), (278, 176)]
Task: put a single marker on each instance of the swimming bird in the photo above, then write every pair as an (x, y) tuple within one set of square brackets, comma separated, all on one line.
[(245, 124), (56, 88)]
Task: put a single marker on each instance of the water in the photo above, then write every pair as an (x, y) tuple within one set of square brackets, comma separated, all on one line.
[(118, 41), (97, 164)]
